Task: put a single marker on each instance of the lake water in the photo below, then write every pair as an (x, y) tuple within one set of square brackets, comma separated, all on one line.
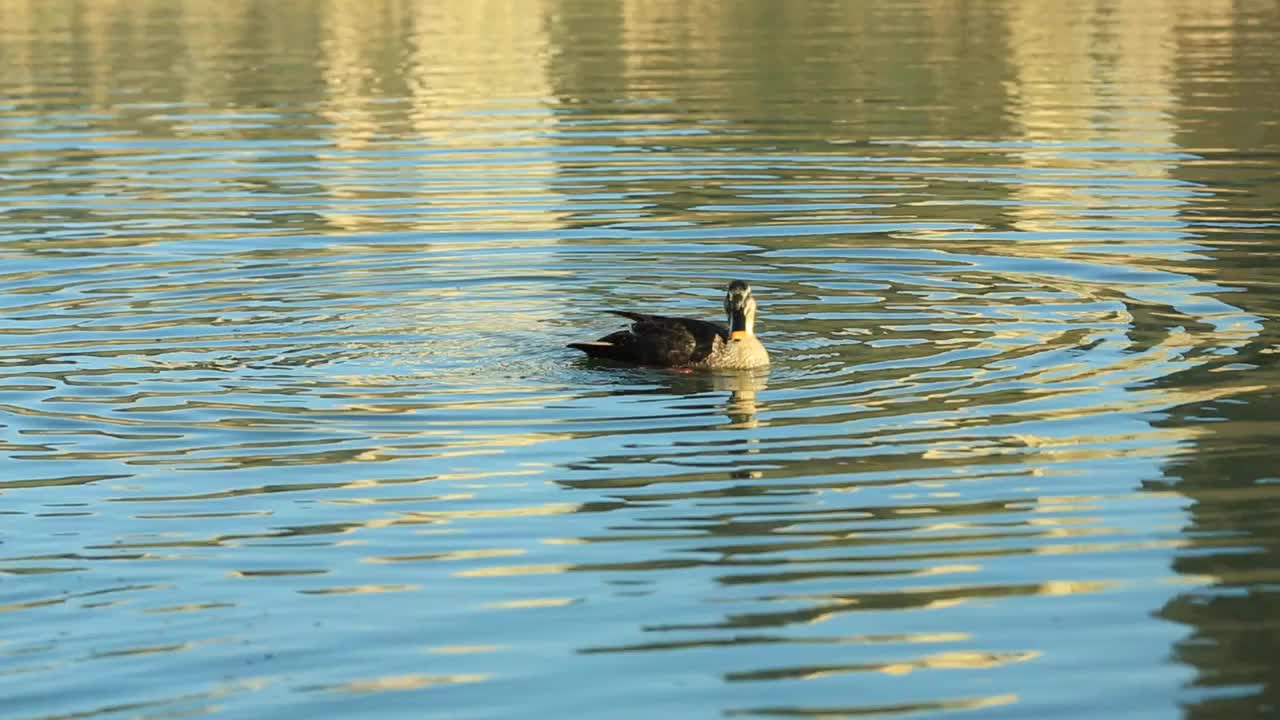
[(288, 428)]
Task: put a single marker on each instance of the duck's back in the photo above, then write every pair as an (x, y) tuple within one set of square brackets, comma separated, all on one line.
[(659, 340)]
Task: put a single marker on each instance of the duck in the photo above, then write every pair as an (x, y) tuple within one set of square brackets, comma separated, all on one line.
[(678, 342)]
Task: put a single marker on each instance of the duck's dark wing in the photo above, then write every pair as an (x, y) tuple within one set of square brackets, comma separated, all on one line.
[(657, 340)]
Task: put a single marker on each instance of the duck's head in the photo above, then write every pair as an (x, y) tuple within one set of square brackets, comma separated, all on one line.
[(741, 308)]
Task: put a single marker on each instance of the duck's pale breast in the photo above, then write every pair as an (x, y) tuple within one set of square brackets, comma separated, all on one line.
[(740, 354)]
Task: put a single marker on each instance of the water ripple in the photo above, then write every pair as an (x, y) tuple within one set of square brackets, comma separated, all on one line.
[(287, 418)]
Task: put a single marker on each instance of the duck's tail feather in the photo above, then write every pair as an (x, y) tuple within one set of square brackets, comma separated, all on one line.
[(602, 349)]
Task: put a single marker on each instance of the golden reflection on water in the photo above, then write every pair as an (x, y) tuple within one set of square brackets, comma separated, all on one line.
[(464, 649), (359, 589), (394, 683), (549, 602), (940, 661), (440, 84), (507, 570), (1058, 95), (907, 709)]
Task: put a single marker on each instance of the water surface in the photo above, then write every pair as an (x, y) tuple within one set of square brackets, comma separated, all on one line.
[(288, 428)]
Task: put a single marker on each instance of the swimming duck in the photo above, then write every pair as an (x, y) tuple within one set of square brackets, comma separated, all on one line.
[(687, 342)]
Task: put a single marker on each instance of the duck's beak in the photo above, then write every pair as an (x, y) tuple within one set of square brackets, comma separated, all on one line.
[(738, 323)]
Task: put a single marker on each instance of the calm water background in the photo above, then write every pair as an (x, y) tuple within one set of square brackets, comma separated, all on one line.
[(288, 429)]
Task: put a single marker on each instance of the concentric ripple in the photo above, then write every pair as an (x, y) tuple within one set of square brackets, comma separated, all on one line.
[(287, 422)]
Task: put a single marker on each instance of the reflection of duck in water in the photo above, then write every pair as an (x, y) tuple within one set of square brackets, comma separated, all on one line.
[(741, 406), (686, 342)]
